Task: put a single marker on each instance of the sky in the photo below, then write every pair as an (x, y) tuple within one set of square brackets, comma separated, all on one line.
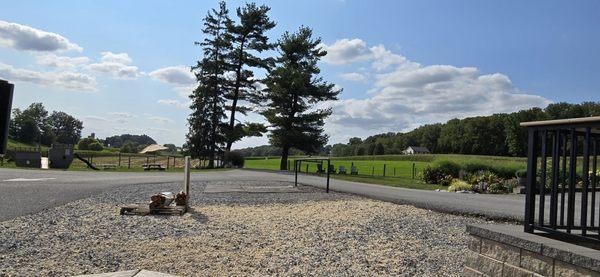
[(123, 66)]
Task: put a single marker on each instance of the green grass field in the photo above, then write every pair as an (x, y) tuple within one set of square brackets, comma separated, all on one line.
[(391, 170)]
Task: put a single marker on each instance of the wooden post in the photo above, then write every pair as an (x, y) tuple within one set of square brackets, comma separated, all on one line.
[(186, 181), (373, 171), (383, 170), (129, 162), (394, 171), (147, 160), (168, 160), (119, 159), (413, 171), (306, 168)]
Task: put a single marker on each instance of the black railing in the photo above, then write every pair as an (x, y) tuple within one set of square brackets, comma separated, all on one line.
[(562, 178)]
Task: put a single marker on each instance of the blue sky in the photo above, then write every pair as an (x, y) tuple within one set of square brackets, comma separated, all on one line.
[(120, 65)]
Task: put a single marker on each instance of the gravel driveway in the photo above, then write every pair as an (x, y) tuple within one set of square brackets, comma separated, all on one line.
[(304, 232)]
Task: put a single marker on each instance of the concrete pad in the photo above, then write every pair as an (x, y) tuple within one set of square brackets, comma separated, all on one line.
[(267, 189), (220, 188), (148, 273), (128, 273)]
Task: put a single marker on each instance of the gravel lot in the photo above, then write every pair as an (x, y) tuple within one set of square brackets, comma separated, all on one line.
[(238, 233)]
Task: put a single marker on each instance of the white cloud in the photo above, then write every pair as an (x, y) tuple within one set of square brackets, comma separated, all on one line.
[(160, 119), (173, 102), (353, 76), (406, 94), (67, 80), (176, 75), (346, 51), (95, 118), (122, 114), (110, 57), (116, 65), (22, 37), (52, 60)]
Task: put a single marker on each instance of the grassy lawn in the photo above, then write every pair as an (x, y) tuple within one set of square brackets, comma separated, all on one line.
[(391, 170)]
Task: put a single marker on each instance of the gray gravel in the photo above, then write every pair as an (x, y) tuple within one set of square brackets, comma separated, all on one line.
[(307, 232)]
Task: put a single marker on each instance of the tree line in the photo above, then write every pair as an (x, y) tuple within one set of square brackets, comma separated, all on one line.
[(232, 52), (498, 134), (35, 125)]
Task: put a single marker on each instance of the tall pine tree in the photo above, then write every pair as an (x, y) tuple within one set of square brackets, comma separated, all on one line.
[(206, 123), (247, 36), (293, 88)]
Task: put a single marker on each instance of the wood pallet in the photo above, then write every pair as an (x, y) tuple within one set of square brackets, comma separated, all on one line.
[(142, 209)]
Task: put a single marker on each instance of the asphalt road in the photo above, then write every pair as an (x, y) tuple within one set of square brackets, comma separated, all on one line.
[(28, 191)]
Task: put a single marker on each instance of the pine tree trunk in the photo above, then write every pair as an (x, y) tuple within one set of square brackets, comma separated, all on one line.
[(238, 72), (284, 157)]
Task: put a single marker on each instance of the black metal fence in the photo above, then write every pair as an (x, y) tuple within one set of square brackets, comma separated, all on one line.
[(562, 178)]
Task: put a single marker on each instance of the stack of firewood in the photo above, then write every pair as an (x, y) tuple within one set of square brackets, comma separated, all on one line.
[(160, 200), (180, 199)]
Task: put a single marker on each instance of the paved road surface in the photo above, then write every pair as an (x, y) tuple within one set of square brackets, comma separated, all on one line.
[(28, 191)]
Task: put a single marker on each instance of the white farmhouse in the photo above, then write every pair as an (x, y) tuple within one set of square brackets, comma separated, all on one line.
[(412, 150)]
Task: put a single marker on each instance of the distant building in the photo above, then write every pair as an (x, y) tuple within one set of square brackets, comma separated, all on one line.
[(412, 150)]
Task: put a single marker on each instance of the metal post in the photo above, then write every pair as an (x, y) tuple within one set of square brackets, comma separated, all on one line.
[(186, 181), (373, 171), (555, 174), (168, 161), (394, 171), (296, 166), (531, 177), (119, 159), (572, 181), (328, 162), (129, 163), (383, 170), (306, 168), (586, 181), (413, 170), (542, 189)]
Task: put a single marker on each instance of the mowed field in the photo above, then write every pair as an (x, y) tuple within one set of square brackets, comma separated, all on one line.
[(393, 170)]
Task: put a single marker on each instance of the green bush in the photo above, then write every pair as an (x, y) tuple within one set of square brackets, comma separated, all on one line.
[(447, 167), (95, 146), (432, 175), (459, 185), (521, 173), (234, 159), (446, 180), (496, 188)]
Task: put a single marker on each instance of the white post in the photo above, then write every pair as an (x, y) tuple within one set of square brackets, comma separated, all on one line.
[(186, 181)]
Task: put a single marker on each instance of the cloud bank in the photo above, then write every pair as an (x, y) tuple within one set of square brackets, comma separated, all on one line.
[(405, 94), (21, 37)]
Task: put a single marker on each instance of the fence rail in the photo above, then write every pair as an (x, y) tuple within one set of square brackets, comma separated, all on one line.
[(365, 168), (561, 193)]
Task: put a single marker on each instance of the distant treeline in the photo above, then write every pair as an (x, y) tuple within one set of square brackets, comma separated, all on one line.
[(268, 150), (498, 134)]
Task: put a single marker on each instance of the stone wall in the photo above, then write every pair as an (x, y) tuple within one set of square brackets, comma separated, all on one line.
[(505, 250)]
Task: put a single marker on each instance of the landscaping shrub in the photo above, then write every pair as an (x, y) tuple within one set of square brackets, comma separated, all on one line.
[(234, 159), (446, 180), (447, 167), (459, 185), (95, 146), (521, 173), (432, 175), (496, 188)]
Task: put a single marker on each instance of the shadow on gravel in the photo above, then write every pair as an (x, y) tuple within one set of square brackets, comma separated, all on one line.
[(197, 216)]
